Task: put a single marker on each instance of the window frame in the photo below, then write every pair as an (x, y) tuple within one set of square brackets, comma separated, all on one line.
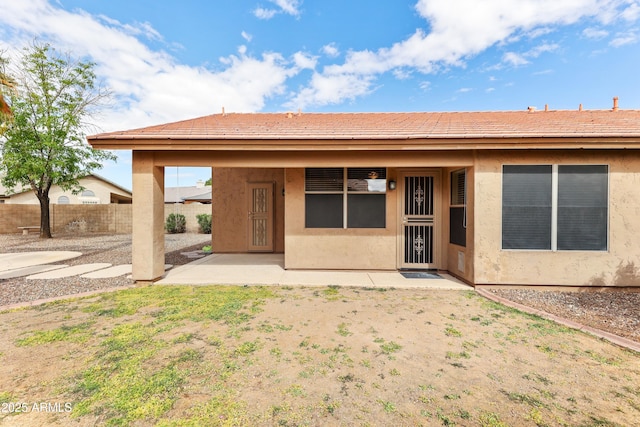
[(345, 192), (456, 206), (554, 207)]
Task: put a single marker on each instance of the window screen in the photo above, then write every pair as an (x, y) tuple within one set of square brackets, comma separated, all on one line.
[(362, 195), (458, 209), (582, 207), (526, 207)]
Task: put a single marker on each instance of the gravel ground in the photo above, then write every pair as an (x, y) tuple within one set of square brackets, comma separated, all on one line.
[(113, 249), (617, 312)]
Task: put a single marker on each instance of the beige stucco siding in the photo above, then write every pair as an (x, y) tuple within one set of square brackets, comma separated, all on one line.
[(459, 259), (321, 248), (570, 268), (229, 230), (101, 189)]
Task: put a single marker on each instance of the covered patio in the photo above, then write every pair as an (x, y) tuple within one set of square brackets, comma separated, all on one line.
[(268, 269)]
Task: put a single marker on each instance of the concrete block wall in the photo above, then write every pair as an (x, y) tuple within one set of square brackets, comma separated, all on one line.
[(189, 211), (113, 218)]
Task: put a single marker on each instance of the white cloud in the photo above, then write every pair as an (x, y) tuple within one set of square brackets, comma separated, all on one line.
[(402, 73), (327, 90), (595, 33), (149, 86), (304, 61), (632, 13), (461, 29), (262, 13), (623, 39), (331, 50), (514, 59), (289, 7), (248, 37)]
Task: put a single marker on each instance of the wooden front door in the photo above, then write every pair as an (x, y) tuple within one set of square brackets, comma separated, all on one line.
[(260, 216)]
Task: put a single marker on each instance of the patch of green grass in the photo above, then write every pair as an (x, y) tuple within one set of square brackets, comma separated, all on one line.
[(221, 410), (343, 330), (183, 338), (604, 360), (489, 419), (295, 390), (537, 378), (460, 355), (525, 398), (388, 407), (6, 397), (546, 349), (129, 380), (246, 348), (76, 333), (390, 347), (332, 293), (450, 331), (464, 414)]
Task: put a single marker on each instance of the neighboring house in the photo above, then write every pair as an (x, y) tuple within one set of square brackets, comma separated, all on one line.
[(97, 190), (200, 193), (494, 198)]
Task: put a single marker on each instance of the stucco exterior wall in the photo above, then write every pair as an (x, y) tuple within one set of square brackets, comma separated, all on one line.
[(101, 189), (229, 224), (619, 266), (343, 249), (459, 259)]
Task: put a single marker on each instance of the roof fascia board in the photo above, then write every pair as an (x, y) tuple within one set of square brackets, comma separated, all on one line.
[(422, 144)]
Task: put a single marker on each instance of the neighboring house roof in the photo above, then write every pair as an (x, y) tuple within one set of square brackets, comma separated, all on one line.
[(432, 130), (193, 193), (20, 190)]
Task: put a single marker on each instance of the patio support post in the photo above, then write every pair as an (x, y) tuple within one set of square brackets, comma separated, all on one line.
[(148, 218)]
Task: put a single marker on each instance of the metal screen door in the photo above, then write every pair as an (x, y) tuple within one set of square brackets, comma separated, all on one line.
[(260, 216), (418, 222)]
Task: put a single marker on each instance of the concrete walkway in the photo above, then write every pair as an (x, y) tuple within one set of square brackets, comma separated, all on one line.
[(13, 261), (268, 269)]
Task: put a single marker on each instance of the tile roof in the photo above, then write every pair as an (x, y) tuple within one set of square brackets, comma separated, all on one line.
[(265, 127), (180, 194)]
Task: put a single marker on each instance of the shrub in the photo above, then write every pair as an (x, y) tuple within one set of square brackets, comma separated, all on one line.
[(176, 223), (204, 221)]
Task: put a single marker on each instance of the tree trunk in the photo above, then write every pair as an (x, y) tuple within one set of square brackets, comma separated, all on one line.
[(45, 226)]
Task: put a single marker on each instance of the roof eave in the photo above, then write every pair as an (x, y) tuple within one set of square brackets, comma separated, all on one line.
[(421, 143)]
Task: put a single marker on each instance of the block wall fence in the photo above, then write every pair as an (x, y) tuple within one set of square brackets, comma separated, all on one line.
[(113, 218)]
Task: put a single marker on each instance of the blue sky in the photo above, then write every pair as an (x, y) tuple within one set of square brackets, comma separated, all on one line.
[(172, 60)]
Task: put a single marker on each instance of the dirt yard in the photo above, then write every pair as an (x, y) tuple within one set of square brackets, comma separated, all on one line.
[(174, 356)]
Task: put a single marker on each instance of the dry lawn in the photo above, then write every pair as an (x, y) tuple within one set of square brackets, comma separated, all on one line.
[(191, 356)]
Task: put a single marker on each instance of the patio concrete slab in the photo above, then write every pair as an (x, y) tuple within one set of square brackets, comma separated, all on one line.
[(12, 261), (27, 271), (268, 269), (74, 270)]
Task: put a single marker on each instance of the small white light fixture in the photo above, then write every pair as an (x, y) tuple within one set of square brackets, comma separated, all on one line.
[(392, 184)]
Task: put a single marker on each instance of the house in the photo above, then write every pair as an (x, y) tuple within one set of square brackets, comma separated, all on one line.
[(495, 198), (97, 190), (199, 193)]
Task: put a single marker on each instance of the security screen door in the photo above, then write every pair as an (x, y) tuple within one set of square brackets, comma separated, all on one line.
[(260, 216), (418, 230)]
